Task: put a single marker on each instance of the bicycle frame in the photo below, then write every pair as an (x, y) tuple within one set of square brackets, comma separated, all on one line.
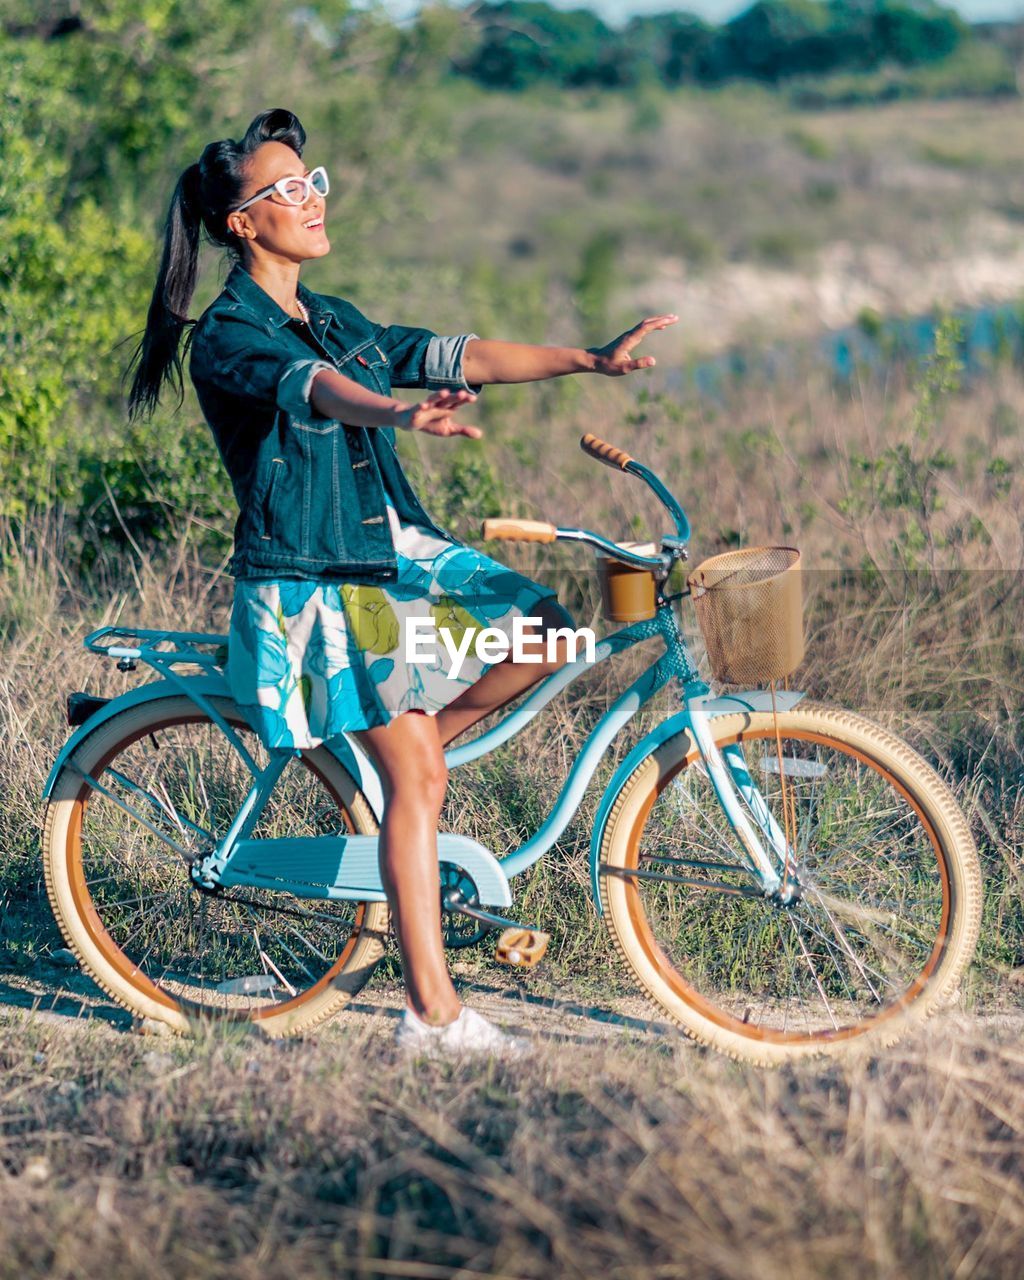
[(346, 866)]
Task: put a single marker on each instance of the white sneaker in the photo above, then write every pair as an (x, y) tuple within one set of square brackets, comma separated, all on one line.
[(470, 1033)]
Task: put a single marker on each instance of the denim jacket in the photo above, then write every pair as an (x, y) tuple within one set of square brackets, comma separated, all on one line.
[(310, 490)]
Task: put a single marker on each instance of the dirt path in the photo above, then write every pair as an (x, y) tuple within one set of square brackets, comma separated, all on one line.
[(65, 996)]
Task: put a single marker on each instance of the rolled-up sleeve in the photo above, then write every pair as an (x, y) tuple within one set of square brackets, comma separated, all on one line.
[(295, 387), (443, 365), (420, 358), (243, 359)]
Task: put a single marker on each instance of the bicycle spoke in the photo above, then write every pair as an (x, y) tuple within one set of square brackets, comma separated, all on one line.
[(814, 974), (199, 948), (288, 951), (863, 844), (134, 813), (138, 901), (163, 807), (838, 952), (309, 945), (859, 916), (864, 917), (833, 939)]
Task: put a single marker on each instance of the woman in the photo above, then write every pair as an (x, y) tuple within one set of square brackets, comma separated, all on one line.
[(333, 551)]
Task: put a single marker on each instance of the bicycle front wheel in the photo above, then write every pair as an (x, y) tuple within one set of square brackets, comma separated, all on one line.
[(142, 796), (887, 912)]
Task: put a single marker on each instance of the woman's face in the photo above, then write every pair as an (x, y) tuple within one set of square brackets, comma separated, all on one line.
[(272, 227)]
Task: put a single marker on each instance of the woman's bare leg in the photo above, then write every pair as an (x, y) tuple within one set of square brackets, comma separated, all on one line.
[(410, 761), (408, 754), (506, 679)]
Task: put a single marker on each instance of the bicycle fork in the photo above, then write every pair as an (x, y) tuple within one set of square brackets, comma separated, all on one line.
[(738, 794)]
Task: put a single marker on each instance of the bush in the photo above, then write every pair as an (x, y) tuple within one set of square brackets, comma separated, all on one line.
[(72, 289)]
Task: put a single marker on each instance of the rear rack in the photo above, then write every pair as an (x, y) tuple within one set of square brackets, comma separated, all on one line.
[(159, 649), (165, 650)]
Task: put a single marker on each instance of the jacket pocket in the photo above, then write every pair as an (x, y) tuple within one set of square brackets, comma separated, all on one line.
[(376, 363), (267, 506)]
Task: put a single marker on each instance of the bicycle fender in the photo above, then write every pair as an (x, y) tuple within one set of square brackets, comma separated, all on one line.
[(745, 700), (347, 752), (148, 692)]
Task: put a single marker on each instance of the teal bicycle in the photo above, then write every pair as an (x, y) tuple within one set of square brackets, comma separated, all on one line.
[(782, 877)]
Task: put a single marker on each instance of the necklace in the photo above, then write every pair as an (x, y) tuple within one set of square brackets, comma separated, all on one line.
[(303, 313)]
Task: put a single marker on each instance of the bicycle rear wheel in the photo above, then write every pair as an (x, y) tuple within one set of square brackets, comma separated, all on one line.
[(120, 887), (888, 911)]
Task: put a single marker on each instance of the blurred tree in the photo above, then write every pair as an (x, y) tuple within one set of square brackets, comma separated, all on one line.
[(67, 284), (131, 79), (676, 47), (524, 41), (917, 31), (776, 38)]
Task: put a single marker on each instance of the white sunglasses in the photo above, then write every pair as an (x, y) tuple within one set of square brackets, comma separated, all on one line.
[(292, 190)]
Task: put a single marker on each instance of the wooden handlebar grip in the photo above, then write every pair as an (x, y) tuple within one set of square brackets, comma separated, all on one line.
[(603, 452), (519, 530)]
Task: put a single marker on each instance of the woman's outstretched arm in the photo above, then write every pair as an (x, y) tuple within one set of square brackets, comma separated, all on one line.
[(344, 400), (488, 361)]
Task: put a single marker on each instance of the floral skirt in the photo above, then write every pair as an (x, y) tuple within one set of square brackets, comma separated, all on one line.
[(309, 659)]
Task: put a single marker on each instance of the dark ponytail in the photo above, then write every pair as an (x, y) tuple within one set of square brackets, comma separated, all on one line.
[(204, 196)]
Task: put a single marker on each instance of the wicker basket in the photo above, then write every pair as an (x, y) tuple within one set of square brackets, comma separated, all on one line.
[(750, 609), (627, 593)]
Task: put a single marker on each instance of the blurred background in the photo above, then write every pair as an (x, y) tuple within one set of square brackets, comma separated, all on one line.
[(811, 186)]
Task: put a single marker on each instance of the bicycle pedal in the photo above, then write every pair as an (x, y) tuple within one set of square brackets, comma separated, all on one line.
[(521, 948)]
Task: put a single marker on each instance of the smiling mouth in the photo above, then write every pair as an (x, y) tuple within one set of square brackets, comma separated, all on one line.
[(315, 225)]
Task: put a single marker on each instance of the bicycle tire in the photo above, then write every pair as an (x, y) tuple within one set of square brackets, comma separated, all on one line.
[(107, 936), (734, 1002)]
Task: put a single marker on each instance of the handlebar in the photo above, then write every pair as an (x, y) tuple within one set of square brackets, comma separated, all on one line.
[(606, 453), (612, 456), (519, 530), (510, 530), (673, 548)]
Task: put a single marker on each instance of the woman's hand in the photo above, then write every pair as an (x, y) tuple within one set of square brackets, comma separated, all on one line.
[(614, 359), (434, 415)]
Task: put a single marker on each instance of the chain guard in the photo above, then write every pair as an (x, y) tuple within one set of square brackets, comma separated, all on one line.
[(457, 930)]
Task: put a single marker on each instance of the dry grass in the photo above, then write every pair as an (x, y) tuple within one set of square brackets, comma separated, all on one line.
[(625, 1159), (932, 651), (770, 461)]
